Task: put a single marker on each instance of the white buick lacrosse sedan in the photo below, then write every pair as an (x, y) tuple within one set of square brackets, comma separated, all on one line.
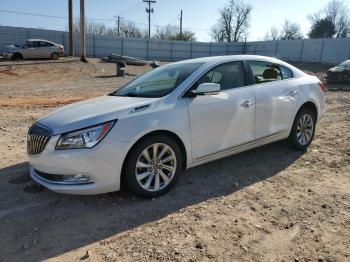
[(175, 117)]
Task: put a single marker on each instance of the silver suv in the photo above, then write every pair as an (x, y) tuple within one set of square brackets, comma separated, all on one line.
[(34, 48)]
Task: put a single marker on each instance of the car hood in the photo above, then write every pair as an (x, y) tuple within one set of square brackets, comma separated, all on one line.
[(336, 69), (9, 47), (95, 111)]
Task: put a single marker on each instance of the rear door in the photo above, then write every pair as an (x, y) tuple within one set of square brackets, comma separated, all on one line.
[(276, 93), (223, 120), (46, 49)]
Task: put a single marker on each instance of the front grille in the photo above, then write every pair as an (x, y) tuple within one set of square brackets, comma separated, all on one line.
[(38, 137)]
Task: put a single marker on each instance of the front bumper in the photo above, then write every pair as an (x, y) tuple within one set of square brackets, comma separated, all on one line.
[(6, 55), (102, 164)]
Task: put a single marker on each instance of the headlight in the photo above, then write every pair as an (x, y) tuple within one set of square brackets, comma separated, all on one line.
[(10, 51), (84, 138)]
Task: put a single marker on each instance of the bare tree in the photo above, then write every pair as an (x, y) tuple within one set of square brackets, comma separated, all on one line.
[(130, 29), (338, 12), (290, 31), (127, 29), (233, 23), (272, 34), (91, 28), (171, 32)]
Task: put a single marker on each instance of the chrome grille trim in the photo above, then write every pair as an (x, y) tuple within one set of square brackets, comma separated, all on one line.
[(37, 138)]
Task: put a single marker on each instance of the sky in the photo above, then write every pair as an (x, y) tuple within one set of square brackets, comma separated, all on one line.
[(198, 15)]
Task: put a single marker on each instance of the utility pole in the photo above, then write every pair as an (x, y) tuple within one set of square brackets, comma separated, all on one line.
[(181, 24), (82, 31), (149, 10), (118, 25), (70, 28)]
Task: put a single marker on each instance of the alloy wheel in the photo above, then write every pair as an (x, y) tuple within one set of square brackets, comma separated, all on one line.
[(156, 167), (305, 129)]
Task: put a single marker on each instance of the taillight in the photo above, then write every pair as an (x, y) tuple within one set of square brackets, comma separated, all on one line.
[(322, 86)]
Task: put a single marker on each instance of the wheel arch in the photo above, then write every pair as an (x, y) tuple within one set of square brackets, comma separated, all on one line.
[(168, 133), (310, 105)]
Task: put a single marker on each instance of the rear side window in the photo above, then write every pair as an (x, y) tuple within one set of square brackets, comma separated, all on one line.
[(45, 44), (229, 75), (266, 72), (286, 72)]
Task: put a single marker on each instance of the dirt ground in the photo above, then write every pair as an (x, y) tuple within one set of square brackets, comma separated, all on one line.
[(268, 204)]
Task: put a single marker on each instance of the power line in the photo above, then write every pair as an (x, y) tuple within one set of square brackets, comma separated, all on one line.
[(133, 12), (91, 19), (130, 9), (31, 14)]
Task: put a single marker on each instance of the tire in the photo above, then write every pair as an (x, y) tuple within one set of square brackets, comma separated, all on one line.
[(303, 127), (55, 56), (17, 56), (149, 172)]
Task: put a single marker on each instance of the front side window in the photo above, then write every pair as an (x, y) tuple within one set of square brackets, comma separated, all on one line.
[(158, 82), (31, 44), (229, 75), (266, 72)]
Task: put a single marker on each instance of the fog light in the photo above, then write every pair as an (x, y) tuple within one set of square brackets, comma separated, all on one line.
[(77, 178)]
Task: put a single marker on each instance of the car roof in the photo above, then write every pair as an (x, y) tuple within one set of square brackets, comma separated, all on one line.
[(35, 40), (218, 59), (231, 58)]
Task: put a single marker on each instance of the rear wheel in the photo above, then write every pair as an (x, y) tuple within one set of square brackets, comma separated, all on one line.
[(303, 129), (55, 56), (153, 166)]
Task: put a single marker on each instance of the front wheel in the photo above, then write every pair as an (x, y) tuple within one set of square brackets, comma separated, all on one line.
[(153, 166), (303, 129)]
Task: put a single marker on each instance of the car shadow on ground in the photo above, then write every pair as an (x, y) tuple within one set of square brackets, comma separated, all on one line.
[(45, 224), (37, 61)]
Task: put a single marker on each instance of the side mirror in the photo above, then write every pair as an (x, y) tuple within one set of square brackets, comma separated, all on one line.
[(205, 89)]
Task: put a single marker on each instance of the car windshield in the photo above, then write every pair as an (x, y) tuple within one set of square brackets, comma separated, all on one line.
[(158, 82), (344, 64)]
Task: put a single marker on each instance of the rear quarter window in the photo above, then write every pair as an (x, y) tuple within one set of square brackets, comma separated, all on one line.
[(286, 72)]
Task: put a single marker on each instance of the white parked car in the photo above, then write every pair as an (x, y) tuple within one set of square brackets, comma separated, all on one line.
[(33, 48), (175, 117)]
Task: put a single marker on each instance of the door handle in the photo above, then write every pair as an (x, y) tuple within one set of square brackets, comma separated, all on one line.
[(292, 93), (246, 104)]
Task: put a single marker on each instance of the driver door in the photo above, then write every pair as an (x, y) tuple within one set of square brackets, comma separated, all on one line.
[(225, 119), (30, 49)]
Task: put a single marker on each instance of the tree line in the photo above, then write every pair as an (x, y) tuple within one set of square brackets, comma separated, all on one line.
[(234, 22), (332, 21), (130, 29)]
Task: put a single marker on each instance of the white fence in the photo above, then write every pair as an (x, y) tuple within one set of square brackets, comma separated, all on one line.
[(308, 50)]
